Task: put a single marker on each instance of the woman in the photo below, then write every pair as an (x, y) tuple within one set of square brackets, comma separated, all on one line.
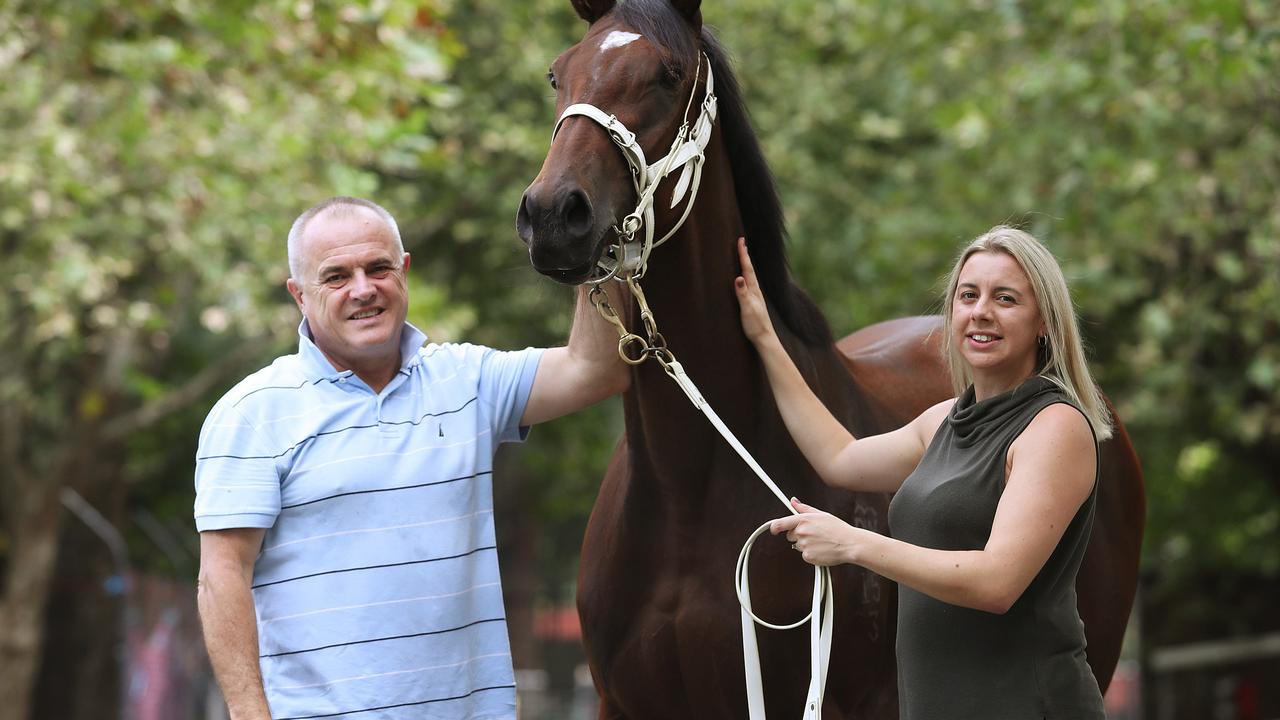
[(994, 498)]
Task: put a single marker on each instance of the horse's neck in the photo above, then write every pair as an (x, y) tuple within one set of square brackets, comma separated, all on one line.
[(689, 286)]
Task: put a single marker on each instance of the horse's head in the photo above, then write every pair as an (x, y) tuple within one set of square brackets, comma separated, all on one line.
[(638, 63)]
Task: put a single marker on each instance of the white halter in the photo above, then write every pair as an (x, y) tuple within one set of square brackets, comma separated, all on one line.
[(631, 257), (628, 263)]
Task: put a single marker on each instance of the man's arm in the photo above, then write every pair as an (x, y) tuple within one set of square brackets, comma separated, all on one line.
[(585, 371), (227, 617)]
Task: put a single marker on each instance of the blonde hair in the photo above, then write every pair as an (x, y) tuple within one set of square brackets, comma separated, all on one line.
[(1061, 360)]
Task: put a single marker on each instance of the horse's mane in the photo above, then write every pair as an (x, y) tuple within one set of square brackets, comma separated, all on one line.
[(757, 195)]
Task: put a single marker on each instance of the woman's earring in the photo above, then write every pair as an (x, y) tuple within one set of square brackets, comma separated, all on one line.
[(1043, 340)]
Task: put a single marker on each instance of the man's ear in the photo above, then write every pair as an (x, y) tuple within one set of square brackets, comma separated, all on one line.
[(404, 263), (296, 291)]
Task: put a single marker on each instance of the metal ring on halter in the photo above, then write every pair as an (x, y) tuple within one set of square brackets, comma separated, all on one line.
[(629, 340)]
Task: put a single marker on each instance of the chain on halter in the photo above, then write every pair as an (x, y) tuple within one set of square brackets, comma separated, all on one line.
[(628, 262)]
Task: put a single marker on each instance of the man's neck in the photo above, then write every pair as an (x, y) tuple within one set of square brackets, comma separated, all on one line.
[(375, 373)]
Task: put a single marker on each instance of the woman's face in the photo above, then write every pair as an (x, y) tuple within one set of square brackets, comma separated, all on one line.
[(995, 319)]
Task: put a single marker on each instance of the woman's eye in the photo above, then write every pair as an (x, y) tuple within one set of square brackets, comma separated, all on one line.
[(551, 78)]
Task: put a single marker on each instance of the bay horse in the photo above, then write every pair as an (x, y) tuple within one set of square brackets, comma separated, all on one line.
[(656, 595)]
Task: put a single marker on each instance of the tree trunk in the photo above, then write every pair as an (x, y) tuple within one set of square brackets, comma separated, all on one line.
[(83, 637), (36, 522), (517, 529)]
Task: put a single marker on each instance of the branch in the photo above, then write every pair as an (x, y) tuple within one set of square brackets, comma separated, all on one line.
[(201, 383)]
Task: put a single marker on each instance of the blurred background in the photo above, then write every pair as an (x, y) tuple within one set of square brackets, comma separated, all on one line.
[(153, 155)]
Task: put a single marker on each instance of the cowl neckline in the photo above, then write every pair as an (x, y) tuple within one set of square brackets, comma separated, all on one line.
[(971, 421)]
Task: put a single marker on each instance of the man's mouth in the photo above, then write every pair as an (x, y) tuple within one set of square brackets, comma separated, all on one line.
[(371, 312)]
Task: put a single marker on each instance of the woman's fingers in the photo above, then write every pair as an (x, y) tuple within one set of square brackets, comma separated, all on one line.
[(744, 257), (795, 503), (784, 524)]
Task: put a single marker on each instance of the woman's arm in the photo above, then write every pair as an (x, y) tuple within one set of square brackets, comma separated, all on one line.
[(877, 463), (1052, 467)]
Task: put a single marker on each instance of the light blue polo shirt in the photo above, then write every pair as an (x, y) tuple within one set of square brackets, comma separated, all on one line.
[(377, 587)]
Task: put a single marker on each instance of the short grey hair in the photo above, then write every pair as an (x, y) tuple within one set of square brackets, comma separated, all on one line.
[(336, 204)]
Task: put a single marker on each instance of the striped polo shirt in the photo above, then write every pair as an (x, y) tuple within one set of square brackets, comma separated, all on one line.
[(377, 588)]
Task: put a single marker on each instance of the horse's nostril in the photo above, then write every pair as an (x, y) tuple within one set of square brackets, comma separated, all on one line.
[(524, 227), (576, 213)]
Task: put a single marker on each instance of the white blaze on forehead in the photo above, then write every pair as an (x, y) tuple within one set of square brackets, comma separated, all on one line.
[(617, 38)]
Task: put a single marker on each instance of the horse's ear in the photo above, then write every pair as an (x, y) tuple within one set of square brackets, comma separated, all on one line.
[(592, 10), (691, 9)]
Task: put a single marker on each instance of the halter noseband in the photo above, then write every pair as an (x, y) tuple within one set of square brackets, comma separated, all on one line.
[(630, 257)]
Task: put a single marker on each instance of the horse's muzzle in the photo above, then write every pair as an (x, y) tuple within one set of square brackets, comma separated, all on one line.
[(560, 230)]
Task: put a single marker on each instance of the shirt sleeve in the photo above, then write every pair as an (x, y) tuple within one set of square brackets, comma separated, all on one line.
[(237, 481), (505, 383)]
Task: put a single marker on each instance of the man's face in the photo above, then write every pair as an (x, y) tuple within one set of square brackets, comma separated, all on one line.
[(352, 290)]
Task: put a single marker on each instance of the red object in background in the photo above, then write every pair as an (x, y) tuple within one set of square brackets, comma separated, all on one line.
[(557, 624), (1247, 699), (1123, 698)]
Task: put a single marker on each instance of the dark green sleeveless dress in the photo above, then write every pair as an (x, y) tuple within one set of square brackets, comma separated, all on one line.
[(955, 663)]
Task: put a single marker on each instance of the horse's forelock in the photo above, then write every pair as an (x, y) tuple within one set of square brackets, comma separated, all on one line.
[(666, 29)]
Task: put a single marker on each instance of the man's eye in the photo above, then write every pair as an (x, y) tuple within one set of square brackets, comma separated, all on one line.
[(551, 78), (332, 279)]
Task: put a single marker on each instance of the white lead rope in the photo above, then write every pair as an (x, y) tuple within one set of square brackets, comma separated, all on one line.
[(823, 605)]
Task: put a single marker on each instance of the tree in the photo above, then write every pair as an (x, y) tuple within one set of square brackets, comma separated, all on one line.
[(153, 155)]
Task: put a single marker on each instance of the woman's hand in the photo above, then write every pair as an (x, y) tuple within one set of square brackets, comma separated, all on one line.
[(822, 538), (755, 313)]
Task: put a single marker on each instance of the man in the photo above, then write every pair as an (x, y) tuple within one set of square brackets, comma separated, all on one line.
[(344, 498)]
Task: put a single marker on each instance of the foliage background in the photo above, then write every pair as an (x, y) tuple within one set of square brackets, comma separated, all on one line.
[(155, 152)]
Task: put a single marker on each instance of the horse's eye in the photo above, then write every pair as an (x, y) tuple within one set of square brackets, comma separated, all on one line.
[(670, 77), (551, 78)]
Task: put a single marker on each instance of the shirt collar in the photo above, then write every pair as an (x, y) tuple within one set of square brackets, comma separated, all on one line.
[(411, 339)]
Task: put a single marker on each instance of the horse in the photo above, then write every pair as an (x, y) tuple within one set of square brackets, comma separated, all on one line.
[(656, 597)]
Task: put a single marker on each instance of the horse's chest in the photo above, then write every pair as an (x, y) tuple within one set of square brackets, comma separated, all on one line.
[(681, 637)]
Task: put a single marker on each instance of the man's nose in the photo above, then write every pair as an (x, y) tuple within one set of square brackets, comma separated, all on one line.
[(362, 286)]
